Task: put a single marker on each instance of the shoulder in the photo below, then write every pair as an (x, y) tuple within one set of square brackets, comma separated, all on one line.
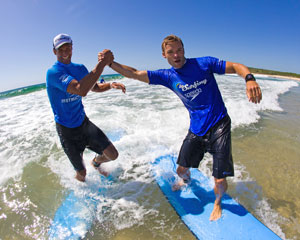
[(54, 70), (160, 73), (160, 76), (79, 67), (206, 60), (56, 74), (211, 64), (200, 61)]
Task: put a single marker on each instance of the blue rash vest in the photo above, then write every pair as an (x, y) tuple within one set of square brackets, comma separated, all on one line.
[(197, 88), (67, 108)]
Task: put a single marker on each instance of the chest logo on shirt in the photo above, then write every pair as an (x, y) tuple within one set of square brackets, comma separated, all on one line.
[(64, 78), (191, 91)]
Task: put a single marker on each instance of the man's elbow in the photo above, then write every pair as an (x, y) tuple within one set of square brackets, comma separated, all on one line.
[(75, 88), (83, 94), (142, 76), (80, 92), (232, 67)]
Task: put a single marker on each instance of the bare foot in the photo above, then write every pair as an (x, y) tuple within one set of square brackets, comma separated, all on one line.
[(216, 212), (80, 175), (178, 185), (97, 166), (102, 172)]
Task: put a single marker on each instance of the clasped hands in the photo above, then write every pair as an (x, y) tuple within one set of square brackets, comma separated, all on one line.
[(106, 56)]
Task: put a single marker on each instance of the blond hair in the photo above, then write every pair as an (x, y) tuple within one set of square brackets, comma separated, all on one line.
[(168, 39)]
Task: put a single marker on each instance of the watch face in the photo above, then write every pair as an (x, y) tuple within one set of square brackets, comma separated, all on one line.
[(250, 77)]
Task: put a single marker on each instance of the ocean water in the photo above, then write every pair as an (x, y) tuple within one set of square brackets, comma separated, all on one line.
[(36, 175)]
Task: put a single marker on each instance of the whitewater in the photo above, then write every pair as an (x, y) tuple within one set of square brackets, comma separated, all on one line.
[(150, 121)]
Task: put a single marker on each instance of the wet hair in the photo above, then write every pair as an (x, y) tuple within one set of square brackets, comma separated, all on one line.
[(168, 39)]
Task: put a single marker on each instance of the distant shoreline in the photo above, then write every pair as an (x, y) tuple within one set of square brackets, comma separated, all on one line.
[(276, 76), (272, 76)]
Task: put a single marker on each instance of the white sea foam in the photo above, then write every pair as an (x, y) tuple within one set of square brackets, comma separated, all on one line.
[(153, 122), (26, 132), (243, 112)]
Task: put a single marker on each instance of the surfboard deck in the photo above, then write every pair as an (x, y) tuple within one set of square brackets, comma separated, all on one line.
[(76, 214), (194, 204)]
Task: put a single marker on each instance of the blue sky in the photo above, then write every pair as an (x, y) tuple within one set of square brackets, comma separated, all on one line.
[(257, 33)]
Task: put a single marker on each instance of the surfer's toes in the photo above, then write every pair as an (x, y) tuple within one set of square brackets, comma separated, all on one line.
[(102, 172), (216, 213), (181, 183), (178, 185)]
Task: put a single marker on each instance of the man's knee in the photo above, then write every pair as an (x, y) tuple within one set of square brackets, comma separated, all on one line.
[(114, 155), (111, 152), (221, 182)]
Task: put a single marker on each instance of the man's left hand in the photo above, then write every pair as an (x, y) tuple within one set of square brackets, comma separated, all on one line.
[(253, 92), (118, 86)]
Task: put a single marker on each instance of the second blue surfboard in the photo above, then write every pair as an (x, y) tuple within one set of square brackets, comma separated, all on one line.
[(194, 204)]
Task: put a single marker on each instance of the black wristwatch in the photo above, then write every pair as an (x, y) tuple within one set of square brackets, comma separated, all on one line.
[(249, 77)]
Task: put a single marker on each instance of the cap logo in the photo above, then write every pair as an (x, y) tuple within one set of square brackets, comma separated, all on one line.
[(61, 39)]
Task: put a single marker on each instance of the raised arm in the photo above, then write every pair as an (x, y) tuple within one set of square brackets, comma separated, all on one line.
[(130, 72), (83, 86), (252, 88)]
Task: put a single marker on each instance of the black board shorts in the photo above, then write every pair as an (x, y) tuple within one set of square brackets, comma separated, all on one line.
[(75, 140), (217, 141)]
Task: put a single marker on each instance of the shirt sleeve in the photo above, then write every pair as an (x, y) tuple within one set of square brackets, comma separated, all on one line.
[(59, 79), (214, 65), (159, 77), (84, 71)]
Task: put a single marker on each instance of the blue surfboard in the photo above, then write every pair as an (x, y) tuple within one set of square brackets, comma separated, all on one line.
[(194, 204), (76, 214)]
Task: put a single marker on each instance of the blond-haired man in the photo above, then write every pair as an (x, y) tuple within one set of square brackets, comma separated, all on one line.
[(192, 79)]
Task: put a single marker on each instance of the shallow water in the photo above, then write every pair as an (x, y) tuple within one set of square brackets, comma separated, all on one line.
[(271, 156), (37, 176)]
